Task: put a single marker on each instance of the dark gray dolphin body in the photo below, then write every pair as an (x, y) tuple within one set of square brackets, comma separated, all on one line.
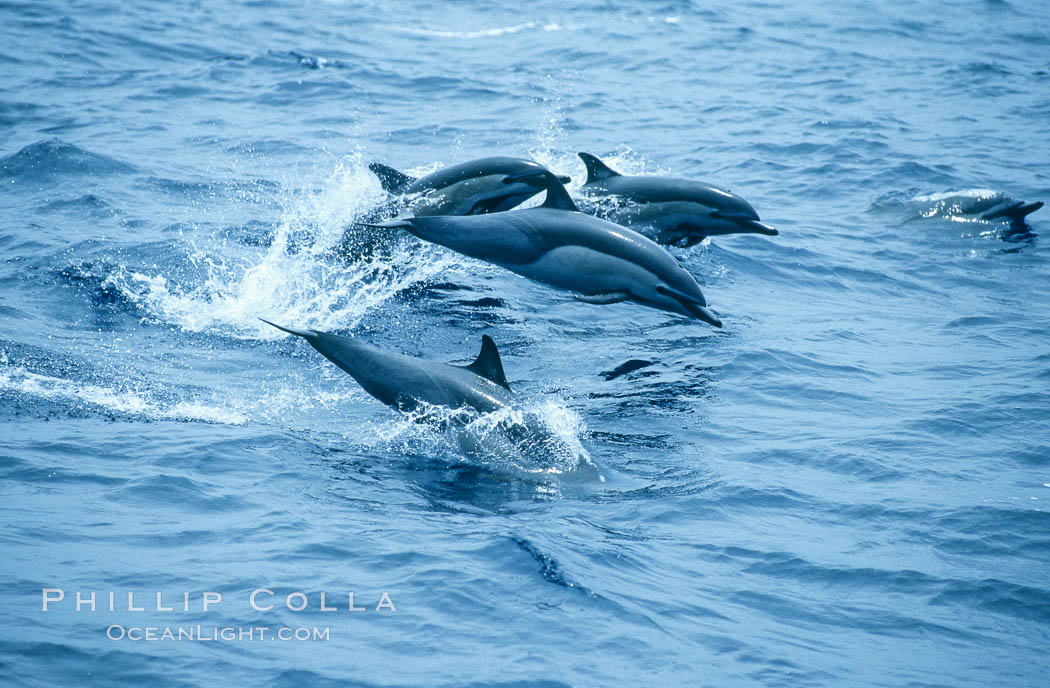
[(469, 188), (601, 262), (672, 210), (405, 381), (1013, 210), (512, 436), (989, 207)]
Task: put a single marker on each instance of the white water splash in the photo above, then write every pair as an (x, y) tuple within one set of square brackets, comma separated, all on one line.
[(966, 193), (297, 279), (17, 379), (483, 33), (536, 439)]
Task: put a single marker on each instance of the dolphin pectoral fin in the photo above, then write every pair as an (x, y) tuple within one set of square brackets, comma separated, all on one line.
[(390, 179), (306, 334), (604, 298), (488, 363)]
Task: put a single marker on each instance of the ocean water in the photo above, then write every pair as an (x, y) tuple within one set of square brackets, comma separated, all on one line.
[(846, 486)]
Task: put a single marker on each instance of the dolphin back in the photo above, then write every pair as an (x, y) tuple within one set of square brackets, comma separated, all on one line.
[(403, 381), (482, 167)]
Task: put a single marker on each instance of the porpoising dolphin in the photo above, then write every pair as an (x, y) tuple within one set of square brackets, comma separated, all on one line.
[(672, 210), (404, 382), (555, 244), (469, 188)]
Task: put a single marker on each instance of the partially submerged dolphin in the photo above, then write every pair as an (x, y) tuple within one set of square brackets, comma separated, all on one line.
[(672, 210), (469, 188), (989, 206), (404, 382), (557, 245)]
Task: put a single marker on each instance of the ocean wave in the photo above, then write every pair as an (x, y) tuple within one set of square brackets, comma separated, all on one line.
[(482, 33), (75, 394), (54, 158)]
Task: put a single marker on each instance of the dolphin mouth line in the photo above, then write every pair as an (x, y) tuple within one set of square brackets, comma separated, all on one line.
[(700, 312)]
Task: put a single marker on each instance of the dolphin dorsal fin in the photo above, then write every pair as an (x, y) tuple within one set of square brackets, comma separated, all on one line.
[(488, 364), (557, 196), (596, 169), (390, 179)]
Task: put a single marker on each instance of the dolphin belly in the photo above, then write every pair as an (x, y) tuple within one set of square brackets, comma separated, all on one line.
[(681, 222), (585, 271)]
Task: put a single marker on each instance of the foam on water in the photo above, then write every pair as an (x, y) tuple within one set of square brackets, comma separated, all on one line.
[(482, 33), (539, 438), (297, 278), (936, 197), (17, 379)]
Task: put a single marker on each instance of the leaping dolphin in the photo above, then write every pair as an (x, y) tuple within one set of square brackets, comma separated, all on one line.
[(469, 188), (555, 244), (404, 382), (520, 439), (672, 210)]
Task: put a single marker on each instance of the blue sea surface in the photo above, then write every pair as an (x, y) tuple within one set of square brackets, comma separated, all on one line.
[(847, 485)]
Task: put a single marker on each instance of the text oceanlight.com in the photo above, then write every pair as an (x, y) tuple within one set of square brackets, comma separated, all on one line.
[(215, 633)]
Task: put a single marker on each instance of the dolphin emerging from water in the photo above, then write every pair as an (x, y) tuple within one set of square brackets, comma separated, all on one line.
[(557, 245), (676, 211), (989, 206), (469, 188), (404, 382), (513, 435)]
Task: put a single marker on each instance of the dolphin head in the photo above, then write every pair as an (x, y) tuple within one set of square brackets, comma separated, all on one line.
[(756, 227), (683, 297), (679, 302)]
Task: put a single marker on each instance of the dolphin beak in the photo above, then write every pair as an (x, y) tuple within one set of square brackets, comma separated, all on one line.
[(564, 179), (761, 228), (705, 315)]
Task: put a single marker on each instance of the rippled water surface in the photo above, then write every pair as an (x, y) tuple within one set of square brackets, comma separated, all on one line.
[(847, 485)]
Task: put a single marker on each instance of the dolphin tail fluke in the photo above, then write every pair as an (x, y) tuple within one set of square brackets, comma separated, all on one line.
[(390, 179), (596, 169), (306, 334)]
